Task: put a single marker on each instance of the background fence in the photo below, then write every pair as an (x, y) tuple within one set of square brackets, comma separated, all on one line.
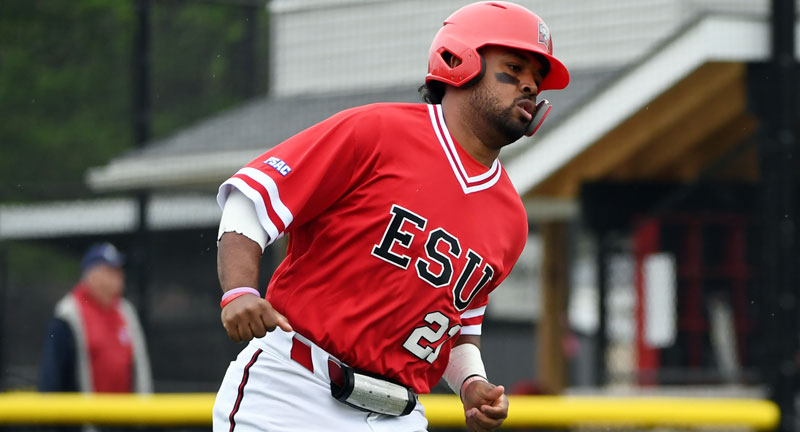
[(120, 119)]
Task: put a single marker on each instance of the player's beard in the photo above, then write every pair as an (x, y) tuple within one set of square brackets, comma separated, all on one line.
[(502, 119)]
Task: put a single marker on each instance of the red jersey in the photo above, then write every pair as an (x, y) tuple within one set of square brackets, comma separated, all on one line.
[(108, 343), (397, 236)]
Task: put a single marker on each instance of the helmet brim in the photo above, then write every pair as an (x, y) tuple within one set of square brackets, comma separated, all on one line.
[(557, 77)]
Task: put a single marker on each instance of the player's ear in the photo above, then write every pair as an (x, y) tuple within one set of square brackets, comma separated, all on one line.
[(451, 59)]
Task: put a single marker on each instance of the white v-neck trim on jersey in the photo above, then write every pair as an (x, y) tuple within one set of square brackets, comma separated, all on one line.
[(468, 184)]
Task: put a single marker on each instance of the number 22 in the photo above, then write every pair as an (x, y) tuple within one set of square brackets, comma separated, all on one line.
[(431, 336)]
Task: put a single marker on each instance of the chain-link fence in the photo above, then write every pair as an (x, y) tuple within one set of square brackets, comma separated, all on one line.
[(120, 120)]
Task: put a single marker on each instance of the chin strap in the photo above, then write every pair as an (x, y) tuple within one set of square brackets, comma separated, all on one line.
[(539, 114)]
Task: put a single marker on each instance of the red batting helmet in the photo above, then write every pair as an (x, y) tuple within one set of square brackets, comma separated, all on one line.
[(491, 23)]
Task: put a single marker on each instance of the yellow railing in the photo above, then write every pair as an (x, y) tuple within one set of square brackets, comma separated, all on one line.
[(194, 409)]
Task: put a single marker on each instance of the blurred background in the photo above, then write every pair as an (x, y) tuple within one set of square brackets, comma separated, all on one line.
[(661, 191)]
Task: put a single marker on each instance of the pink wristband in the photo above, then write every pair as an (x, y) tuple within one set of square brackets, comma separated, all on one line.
[(468, 381), (230, 295)]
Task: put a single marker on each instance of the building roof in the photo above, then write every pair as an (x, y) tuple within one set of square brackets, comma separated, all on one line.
[(202, 155), (206, 153)]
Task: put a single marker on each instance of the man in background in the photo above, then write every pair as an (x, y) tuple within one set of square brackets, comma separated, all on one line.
[(94, 341)]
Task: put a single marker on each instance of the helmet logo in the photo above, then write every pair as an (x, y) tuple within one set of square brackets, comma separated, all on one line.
[(544, 36)]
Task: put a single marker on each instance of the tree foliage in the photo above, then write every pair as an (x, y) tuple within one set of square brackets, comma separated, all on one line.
[(66, 81)]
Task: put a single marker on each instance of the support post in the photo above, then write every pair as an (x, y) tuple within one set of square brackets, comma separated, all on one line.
[(5, 286), (779, 218), (141, 133), (550, 333), (601, 344)]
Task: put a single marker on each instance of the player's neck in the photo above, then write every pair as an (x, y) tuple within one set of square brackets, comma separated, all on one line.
[(464, 132)]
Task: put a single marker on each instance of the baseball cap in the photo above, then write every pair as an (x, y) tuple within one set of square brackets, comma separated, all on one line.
[(102, 253)]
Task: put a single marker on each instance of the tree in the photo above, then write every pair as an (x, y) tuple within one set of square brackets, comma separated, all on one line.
[(65, 82), (64, 85)]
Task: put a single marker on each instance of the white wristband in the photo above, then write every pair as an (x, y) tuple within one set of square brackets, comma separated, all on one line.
[(465, 363)]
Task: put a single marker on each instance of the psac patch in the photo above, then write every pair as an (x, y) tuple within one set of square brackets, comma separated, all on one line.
[(279, 165)]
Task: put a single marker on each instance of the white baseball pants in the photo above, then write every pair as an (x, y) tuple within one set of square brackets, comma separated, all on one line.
[(266, 389)]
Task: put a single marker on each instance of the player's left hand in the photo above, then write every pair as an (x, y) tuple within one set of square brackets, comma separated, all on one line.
[(485, 406)]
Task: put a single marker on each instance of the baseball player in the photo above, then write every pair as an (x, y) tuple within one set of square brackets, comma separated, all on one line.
[(401, 222)]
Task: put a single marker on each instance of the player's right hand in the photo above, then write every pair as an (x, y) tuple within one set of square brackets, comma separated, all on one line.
[(250, 316), (485, 406)]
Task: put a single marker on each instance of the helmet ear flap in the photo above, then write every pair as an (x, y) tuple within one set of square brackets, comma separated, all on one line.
[(477, 77), (470, 64)]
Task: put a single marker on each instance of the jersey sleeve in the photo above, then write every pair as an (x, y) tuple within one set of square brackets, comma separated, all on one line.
[(296, 180), (472, 317)]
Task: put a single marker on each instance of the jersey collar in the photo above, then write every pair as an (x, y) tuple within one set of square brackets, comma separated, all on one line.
[(468, 184)]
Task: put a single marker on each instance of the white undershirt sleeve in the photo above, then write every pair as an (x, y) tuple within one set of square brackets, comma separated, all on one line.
[(239, 215)]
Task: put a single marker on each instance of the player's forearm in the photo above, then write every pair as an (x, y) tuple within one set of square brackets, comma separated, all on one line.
[(473, 339), (465, 363), (237, 261)]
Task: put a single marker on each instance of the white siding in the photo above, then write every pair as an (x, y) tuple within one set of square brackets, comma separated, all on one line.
[(340, 45)]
